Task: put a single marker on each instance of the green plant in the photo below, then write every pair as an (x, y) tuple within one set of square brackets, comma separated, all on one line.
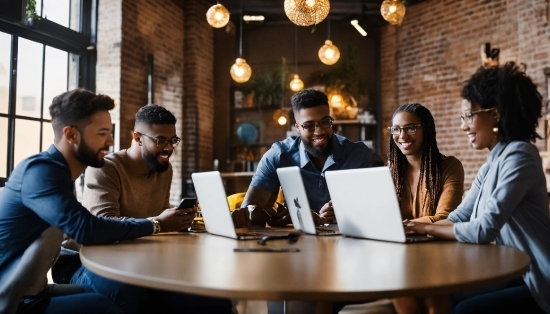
[(31, 10), (269, 86)]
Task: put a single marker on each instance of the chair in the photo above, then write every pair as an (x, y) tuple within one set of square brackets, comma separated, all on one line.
[(235, 200)]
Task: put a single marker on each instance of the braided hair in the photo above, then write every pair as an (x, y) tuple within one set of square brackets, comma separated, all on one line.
[(430, 162)]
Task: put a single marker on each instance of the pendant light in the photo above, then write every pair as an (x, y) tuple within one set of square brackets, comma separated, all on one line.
[(306, 12), (296, 84), (393, 11), (217, 16), (241, 71), (329, 53)]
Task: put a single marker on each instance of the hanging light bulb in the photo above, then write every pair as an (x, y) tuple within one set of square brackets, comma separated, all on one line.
[(393, 11), (306, 12), (217, 16), (240, 71), (296, 84), (329, 53), (282, 120)]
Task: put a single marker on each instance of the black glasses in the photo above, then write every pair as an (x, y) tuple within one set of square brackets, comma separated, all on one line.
[(408, 129), (162, 142), (291, 237), (468, 117), (310, 127)]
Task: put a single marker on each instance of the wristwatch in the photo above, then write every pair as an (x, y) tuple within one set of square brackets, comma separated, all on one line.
[(156, 224)]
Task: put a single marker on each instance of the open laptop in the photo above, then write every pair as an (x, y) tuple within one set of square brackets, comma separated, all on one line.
[(366, 206), (298, 204), (215, 209)]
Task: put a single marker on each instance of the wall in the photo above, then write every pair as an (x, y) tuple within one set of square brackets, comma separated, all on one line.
[(437, 48)]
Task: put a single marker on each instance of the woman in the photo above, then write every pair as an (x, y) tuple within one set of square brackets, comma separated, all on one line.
[(508, 201), (429, 185)]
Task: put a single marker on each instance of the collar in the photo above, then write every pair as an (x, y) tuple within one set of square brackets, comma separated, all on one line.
[(56, 154), (496, 151), (336, 152)]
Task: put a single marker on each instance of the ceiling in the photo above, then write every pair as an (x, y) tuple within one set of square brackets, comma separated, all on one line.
[(367, 11)]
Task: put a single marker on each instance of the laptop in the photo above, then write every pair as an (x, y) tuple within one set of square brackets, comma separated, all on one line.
[(215, 209), (366, 206), (298, 204)]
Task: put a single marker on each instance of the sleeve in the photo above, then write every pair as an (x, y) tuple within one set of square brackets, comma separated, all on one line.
[(167, 198), (463, 212), (102, 191), (451, 193), (512, 184), (266, 174), (48, 193)]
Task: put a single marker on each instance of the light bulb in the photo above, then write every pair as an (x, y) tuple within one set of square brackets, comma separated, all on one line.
[(296, 84), (393, 11), (336, 100), (217, 16), (329, 53), (240, 71), (310, 3), (392, 8), (282, 120)]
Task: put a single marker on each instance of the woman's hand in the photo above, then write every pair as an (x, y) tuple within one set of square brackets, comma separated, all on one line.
[(415, 226)]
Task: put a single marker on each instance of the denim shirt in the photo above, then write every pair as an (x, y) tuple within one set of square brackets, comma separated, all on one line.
[(508, 204), (291, 152), (39, 194)]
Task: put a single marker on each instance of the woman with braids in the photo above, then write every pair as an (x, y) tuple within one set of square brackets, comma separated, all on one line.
[(508, 201), (429, 185)]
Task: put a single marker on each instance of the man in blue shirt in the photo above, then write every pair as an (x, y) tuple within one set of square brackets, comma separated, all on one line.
[(315, 151), (37, 205)]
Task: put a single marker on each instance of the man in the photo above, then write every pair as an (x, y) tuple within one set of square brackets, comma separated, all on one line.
[(315, 151), (38, 206), (135, 183)]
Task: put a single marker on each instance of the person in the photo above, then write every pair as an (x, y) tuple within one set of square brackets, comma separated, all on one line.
[(315, 151), (135, 183), (38, 206), (508, 201), (429, 185)]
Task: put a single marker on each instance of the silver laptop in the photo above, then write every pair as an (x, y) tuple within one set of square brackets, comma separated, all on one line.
[(298, 204), (215, 209), (366, 206)]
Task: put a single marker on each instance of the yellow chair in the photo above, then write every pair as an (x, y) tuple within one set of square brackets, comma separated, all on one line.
[(235, 200)]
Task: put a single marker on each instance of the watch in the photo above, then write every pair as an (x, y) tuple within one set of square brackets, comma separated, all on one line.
[(156, 224)]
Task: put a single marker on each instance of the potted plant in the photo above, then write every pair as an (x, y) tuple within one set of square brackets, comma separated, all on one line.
[(32, 17), (268, 86)]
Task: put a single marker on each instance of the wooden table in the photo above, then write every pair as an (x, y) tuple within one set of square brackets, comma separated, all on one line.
[(326, 269)]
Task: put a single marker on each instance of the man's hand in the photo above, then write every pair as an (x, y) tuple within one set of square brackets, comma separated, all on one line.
[(241, 217), (173, 219), (327, 214), (281, 218)]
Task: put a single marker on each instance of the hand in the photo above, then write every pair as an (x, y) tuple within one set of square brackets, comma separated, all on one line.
[(174, 219), (327, 214), (281, 218), (241, 218), (416, 227)]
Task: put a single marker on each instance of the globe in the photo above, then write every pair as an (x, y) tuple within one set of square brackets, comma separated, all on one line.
[(247, 133)]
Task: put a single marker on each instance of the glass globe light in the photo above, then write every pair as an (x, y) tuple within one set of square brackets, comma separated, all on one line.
[(282, 120), (393, 11), (336, 100), (217, 16), (296, 84), (329, 53), (306, 12), (240, 71)]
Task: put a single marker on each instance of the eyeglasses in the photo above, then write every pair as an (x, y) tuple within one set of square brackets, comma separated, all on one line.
[(468, 117), (162, 142), (408, 129), (310, 127)]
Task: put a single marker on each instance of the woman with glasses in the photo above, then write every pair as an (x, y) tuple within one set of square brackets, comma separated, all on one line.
[(429, 185), (508, 201)]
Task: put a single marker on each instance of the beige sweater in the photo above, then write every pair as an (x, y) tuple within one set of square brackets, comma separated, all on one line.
[(448, 200), (114, 190)]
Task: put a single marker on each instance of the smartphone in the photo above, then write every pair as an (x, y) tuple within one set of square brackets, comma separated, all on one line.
[(265, 249), (187, 202)]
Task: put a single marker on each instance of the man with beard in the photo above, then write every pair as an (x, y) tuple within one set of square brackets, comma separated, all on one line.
[(37, 206), (135, 183), (315, 151)]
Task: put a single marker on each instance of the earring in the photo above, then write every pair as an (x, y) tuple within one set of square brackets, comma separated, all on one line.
[(139, 143), (495, 130)]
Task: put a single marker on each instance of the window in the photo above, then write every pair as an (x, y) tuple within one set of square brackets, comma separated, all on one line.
[(35, 67)]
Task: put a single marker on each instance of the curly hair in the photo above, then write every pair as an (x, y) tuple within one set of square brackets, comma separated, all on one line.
[(308, 98), (430, 163), (75, 108), (508, 89), (154, 114)]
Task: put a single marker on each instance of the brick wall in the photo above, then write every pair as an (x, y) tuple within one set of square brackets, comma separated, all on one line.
[(437, 48)]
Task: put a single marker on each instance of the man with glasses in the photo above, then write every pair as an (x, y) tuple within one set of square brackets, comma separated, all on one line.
[(135, 183), (315, 151)]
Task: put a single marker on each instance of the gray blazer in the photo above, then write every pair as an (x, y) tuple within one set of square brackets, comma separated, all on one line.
[(508, 204)]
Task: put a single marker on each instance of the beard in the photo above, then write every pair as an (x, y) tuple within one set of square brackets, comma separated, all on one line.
[(153, 163), (87, 156), (319, 152)]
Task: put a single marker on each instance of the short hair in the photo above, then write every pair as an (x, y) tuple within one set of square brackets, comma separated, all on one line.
[(508, 89), (430, 162), (75, 108), (154, 114), (308, 98)]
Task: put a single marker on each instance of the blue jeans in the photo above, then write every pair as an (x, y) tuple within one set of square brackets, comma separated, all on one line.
[(134, 299), (511, 297)]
